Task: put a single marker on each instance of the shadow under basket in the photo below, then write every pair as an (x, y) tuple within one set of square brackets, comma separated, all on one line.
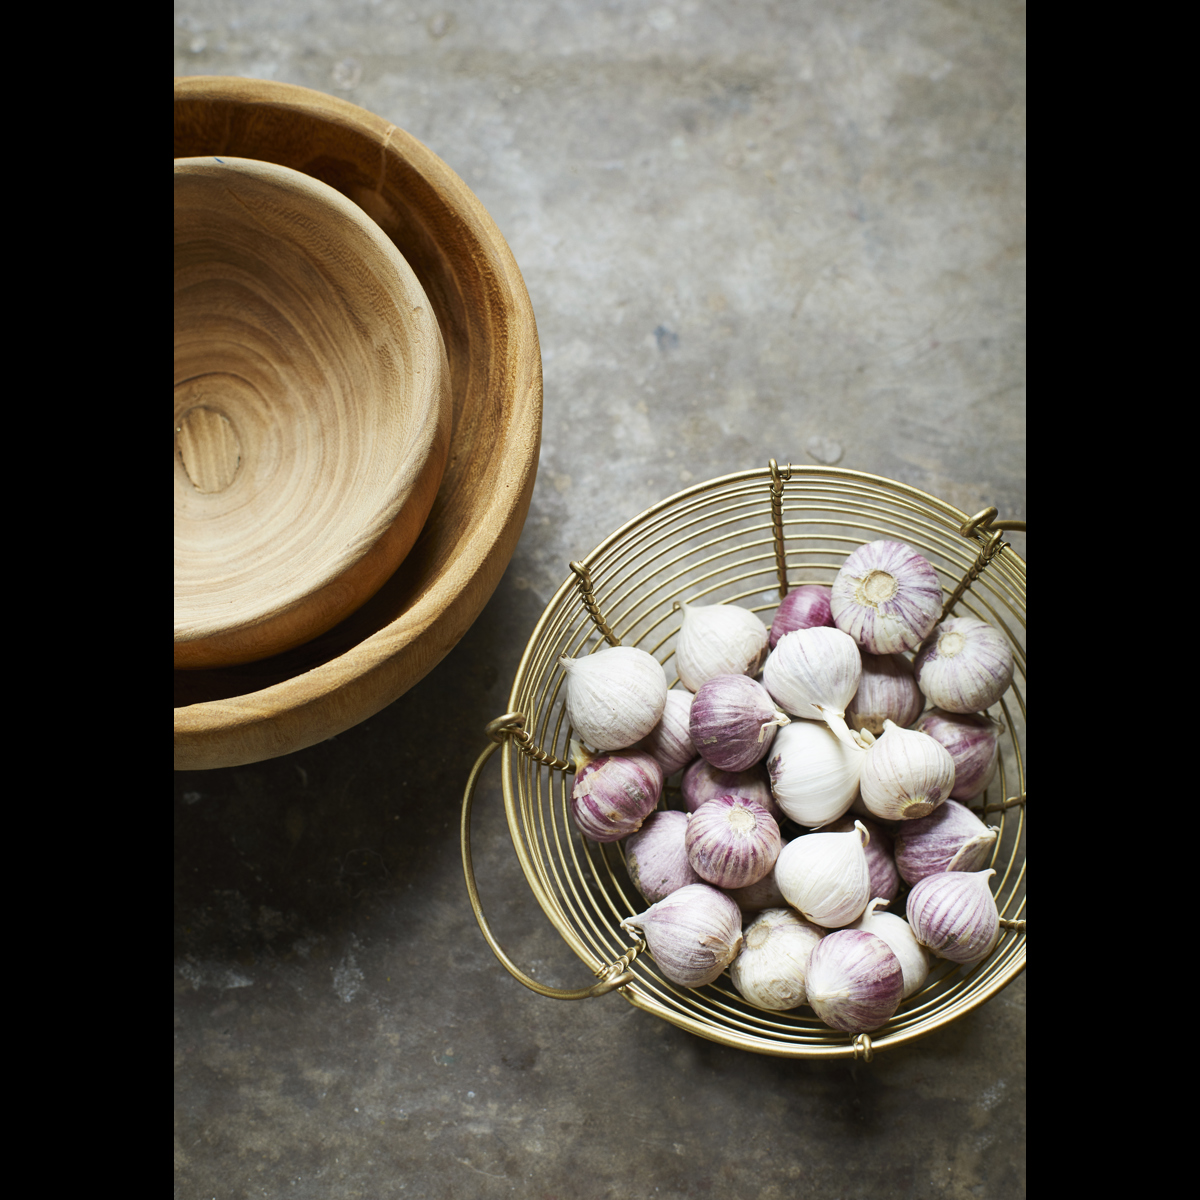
[(743, 539)]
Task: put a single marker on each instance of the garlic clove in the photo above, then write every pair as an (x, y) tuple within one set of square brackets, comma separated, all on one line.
[(615, 697), (718, 639), (802, 608), (965, 665), (886, 597), (825, 876), (814, 673), (656, 856), (693, 934), (898, 933), (614, 793), (732, 842), (772, 968), (814, 775), (733, 721), (951, 838), (855, 981), (954, 914), (905, 774), (887, 691)]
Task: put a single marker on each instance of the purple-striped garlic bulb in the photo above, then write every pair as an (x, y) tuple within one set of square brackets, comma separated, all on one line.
[(887, 691), (754, 897), (670, 741), (693, 934), (951, 838), (772, 968), (905, 774), (732, 842), (973, 740), (886, 597), (614, 793), (656, 856), (965, 666), (733, 721), (802, 608), (954, 914), (814, 673), (855, 981), (898, 933), (702, 781)]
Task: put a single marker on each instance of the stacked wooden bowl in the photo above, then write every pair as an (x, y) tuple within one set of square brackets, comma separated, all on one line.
[(300, 694)]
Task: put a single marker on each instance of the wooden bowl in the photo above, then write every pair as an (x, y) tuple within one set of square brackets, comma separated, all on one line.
[(312, 409), (263, 709)]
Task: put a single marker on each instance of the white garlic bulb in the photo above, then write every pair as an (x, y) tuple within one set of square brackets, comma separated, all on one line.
[(814, 673), (718, 639), (965, 666), (614, 697), (825, 876), (772, 968), (886, 597), (906, 774), (898, 933), (814, 775)]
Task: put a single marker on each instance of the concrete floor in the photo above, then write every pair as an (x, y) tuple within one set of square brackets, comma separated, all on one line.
[(749, 230)]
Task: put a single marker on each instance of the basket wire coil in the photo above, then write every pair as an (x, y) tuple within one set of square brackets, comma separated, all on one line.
[(743, 539)]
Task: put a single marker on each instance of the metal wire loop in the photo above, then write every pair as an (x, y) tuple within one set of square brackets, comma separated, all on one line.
[(985, 556), (863, 1048), (589, 602), (513, 725)]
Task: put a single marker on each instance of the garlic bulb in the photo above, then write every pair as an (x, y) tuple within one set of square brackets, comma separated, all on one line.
[(897, 932), (802, 608), (693, 934), (814, 673), (965, 666), (732, 842), (656, 856), (733, 721), (954, 914), (855, 982), (669, 741), (754, 897), (718, 639), (825, 876), (886, 597), (905, 774), (951, 838), (615, 696), (881, 862), (973, 740), (814, 775), (614, 793), (702, 781), (771, 969), (887, 691)]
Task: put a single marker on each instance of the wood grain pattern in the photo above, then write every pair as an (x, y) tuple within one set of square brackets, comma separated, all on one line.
[(260, 710), (312, 409)]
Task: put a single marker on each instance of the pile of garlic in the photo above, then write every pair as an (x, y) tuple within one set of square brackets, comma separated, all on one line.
[(815, 786)]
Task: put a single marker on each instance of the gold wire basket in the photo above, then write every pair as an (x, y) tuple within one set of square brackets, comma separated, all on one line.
[(743, 539)]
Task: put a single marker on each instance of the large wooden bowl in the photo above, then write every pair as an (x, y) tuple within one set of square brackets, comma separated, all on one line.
[(264, 709), (312, 409)]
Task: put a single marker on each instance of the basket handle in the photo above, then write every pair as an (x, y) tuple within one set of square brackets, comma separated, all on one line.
[(617, 974)]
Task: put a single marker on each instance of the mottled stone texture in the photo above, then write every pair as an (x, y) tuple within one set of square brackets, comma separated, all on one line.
[(749, 230)]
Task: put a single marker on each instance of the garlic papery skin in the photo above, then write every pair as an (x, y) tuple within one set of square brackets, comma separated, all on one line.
[(951, 838), (855, 981), (905, 774), (615, 696), (614, 793), (886, 597), (693, 934), (702, 781), (718, 639), (772, 967), (954, 913), (814, 775), (887, 691), (881, 862), (804, 607), (825, 876), (732, 842), (897, 932), (973, 740), (965, 666), (733, 721), (669, 741), (656, 856), (813, 673)]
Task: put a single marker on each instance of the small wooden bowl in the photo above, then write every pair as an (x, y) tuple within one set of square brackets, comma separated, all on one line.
[(312, 409), (244, 714)]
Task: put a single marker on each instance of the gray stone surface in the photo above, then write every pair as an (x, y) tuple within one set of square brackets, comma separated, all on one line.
[(749, 230)]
